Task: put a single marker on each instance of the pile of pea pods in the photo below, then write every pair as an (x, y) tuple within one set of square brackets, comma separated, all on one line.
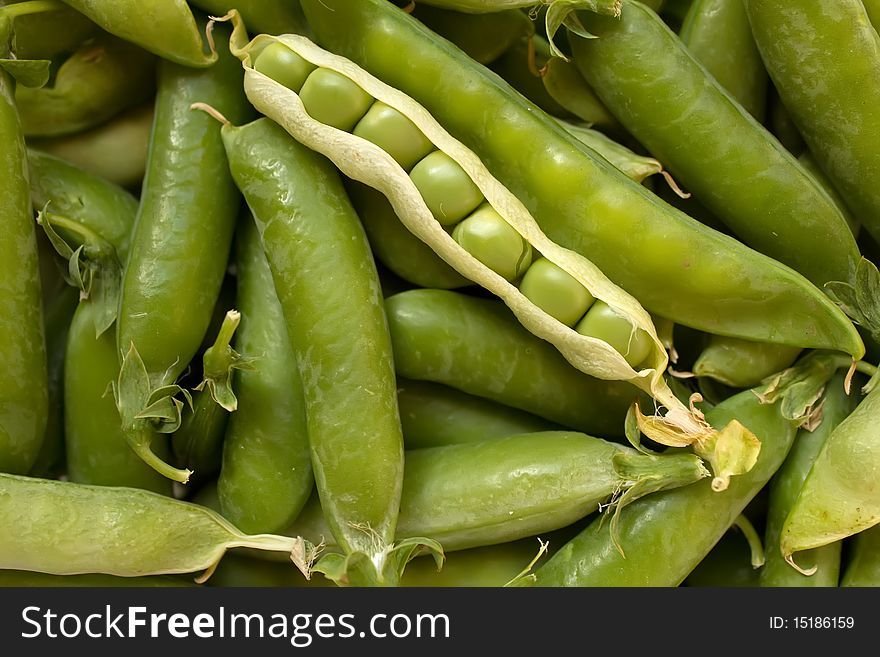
[(440, 293)]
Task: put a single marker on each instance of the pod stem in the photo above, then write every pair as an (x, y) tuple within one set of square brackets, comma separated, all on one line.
[(754, 540), (211, 111), (143, 450)]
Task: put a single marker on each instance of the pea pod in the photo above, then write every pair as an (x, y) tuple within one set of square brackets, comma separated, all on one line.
[(672, 265), (45, 35), (522, 71), (115, 151), (663, 537), (169, 30), (182, 238), (758, 188), (24, 396), (727, 565), (717, 34), (329, 292), (808, 162), (266, 474), (103, 77), (863, 568), (840, 496), (742, 363), (75, 529), (873, 9), (263, 16), (476, 346), (787, 484), (433, 415), (616, 338), (824, 108), (26, 579)]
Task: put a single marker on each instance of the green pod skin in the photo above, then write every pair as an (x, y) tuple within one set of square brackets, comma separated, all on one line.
[(168, 29), (782, 126), (717, 34), (45, 35), (785, 487), (434, 415), (482, 37), (237, 570), (261, 16), (24, 394), (72, 192), (58, 314), (835, 111), (198, 443), (873, 9), (488, 566), (666, 535), (397, 248), (742, 363), (115, 151), (186, 218), (841, 494), (329, 291), (104, 77), (863, 568), (75, 529), (266, 476), (727, 565), (808, 162), (674, 266), (513, 67), (477, 346), (26, 579), (721, 154), (95, 445)]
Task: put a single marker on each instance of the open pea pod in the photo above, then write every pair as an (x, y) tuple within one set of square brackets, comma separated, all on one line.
[(368, 163)]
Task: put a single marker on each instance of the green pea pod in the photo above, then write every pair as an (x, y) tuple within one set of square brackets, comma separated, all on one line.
[(397, 248), (263, 16), (495, 491), (182, 238), (266, 475), (24, 396), (808, 162), (665, 536), (329, 291), (47, 34), (96, 449), (742, 363), (76, 529), (826, 107), (363, 160), (26, 579), (483, 37), (103, 77), (840, 496), (787, 484), (727, 565), (675, 267), (717, 34), (758, 188), (115, 150), (476, 346), (237, 570), (521, 69), (169, 30), (86, 198), (57, 313), (863, 568), (782, 126), (873, 9), (433, 415)]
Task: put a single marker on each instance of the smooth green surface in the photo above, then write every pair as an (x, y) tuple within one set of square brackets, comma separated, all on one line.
[(712, 145), (24, 396), (666, 535), (555, 292), (329, 291), (395, 134), (332, 98), (260, 16), (785, 487), (717, 34), (742, 363), (494, 242), (397, 248), (477, 346), (448, 191), (863, 568), (727, 565), (266, 475), (603, 323), (674, 266), (283, 65)]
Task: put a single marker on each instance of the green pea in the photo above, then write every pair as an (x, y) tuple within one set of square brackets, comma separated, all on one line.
[(555, 292), (603, 323), (395, 134), (494, 242), (280, 63), (332, 98), (448, 191)]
